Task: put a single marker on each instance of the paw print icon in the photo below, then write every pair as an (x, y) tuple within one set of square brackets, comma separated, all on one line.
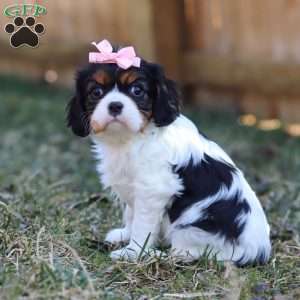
[(24, 32)]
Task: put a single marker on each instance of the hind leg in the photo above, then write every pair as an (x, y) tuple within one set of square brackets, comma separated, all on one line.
[(191, 243), (183, 247)]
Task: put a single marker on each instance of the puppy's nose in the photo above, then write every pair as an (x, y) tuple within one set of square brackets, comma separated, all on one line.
[(115, 108)]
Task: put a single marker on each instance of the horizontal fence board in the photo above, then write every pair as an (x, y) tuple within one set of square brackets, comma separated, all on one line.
[(226, 72), (244, 29)]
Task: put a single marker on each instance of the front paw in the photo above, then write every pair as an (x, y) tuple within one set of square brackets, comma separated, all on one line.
[(117, 236), (125, 253), (132, 253)]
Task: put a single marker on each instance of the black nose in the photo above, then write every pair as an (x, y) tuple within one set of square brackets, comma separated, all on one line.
[(115, 108)]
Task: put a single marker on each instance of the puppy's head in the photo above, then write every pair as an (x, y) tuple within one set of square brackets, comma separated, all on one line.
[(109, 98)]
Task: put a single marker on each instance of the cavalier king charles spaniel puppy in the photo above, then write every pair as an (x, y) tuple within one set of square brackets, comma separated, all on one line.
[(177, 186)]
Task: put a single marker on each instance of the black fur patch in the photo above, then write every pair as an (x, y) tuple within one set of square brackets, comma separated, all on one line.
[(200, 181), (222, 217), (165, 108)]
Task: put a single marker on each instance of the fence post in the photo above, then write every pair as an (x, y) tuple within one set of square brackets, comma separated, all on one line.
[(168, 22)]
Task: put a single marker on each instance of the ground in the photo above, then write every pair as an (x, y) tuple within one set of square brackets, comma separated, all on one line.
[(53, 214)]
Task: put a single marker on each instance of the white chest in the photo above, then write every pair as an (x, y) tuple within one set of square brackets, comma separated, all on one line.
[(141, 168), (116, 167)]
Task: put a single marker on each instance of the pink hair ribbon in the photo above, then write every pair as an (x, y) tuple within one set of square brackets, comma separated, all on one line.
[(124, 58)]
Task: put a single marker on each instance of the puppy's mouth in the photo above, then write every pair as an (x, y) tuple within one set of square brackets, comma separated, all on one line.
[(98, 127)]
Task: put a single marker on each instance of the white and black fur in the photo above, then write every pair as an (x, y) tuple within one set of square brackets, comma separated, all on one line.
[(177, 186)]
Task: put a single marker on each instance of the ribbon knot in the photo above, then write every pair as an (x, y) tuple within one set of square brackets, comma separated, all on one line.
[(124, 58)]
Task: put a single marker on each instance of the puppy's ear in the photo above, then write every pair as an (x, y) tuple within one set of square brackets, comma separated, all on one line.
[(75, 117), (166, 103)]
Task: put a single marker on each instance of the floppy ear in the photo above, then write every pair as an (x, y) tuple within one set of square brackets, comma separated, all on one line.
[(75, 117), (166, 103)]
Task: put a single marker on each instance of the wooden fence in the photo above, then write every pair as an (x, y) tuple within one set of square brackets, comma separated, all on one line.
[(248, 49), (70, 28), (245, 53)]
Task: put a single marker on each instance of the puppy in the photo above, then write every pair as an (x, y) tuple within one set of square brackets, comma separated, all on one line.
[(177, 186)]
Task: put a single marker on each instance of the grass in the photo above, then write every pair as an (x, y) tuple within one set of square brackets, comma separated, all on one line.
[(53, 214)]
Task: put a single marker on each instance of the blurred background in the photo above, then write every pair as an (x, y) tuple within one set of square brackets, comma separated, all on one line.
[(239, 55)]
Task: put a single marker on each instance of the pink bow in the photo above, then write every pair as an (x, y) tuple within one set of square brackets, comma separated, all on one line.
[(124, 58)]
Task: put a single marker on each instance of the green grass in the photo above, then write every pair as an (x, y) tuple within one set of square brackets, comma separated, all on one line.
[(53, 215)]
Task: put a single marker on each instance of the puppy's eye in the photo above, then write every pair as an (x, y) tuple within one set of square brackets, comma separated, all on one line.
[(96, 93), (137, 91)]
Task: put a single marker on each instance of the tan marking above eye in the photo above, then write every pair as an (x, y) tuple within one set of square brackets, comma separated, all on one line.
[(102, 77), (128, 77)]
